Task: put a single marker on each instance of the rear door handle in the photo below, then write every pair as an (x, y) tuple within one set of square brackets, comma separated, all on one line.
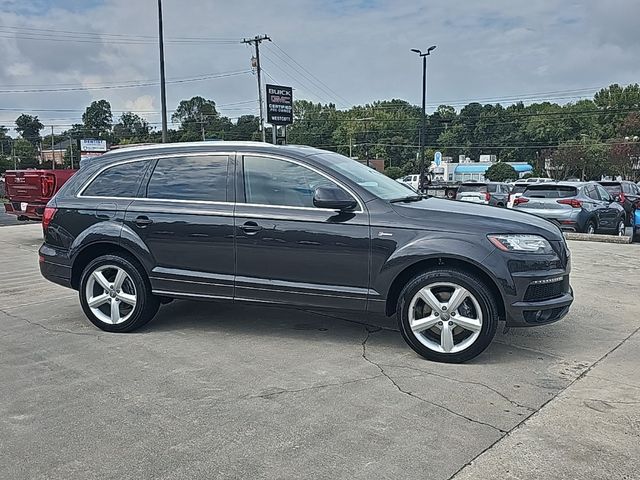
[(250, 228), (142, 221)]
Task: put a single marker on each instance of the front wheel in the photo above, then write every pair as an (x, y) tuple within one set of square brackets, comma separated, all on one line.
[(116, 294), (621, 229), (447, 315)]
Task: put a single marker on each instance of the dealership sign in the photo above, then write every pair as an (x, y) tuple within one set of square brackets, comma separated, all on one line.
[(279, 105), (91, 145)]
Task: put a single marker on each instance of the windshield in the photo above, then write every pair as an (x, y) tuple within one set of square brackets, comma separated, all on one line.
[(518, 188), (371, 180), (550, 191)]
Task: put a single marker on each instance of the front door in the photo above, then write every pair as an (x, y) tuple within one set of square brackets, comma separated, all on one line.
[(186, 222), (609, 211), (288, 251)]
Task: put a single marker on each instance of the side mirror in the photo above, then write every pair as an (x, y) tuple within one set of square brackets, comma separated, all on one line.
[(616, 198), (334, 198)]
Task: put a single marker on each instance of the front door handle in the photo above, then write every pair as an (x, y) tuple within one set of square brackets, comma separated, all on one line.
[(250, 228), (142, 221)]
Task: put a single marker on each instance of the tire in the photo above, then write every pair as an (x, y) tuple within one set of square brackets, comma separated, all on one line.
[(590, 227), (621, 229), (117, 282), (480, 307)]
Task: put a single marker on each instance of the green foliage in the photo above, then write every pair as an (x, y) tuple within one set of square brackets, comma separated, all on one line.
[(97, 120), (393, 172), (6, 163), (26, 153), (500, 172), (131, 127), (28, 126)]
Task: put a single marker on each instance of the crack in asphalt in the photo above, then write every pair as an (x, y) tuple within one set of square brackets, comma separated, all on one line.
[(49, 329), (313, 387), (413, 395), (469, 382)]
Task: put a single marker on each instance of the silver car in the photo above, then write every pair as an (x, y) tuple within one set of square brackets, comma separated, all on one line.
[(575, 206)]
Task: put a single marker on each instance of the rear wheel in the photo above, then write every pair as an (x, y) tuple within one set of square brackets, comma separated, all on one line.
[(116, 295), (447, 315)]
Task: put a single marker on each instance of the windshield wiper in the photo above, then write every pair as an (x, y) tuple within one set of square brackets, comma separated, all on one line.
[(409, 198)]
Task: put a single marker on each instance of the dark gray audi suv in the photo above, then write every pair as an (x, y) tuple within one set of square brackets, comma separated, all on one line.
[(294, 225)]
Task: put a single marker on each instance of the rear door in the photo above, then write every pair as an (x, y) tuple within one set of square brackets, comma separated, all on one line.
[(609, 210), (185, 219), (287, 250)]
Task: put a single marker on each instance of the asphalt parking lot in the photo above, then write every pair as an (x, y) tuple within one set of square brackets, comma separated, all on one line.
[(232, 391)]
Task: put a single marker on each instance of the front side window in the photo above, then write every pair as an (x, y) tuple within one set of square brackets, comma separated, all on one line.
[(118, 181), (271, 181), (202, 178)]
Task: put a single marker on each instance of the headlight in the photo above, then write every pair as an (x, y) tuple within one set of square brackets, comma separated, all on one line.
[(521, 243)]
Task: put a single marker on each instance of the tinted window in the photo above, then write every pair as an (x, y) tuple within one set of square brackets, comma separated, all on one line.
[(604, 195), (118, 181), (518, 188), (626, 188), (190, 178), (269, 181), (472, 187), (550, 191), (493, 188)]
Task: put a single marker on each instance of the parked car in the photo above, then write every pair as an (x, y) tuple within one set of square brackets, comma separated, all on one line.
[(412, 180), (487, 193), (516, 191), (626, 194), (290, 225), (28, 191), (574, 206), (635, 224)]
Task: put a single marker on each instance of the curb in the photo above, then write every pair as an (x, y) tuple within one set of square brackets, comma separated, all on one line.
[(624, 239)]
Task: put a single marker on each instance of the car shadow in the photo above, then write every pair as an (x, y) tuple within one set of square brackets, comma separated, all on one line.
[(290, 323)]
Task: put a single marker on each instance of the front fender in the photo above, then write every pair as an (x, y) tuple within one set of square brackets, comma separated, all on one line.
[(467, 249)]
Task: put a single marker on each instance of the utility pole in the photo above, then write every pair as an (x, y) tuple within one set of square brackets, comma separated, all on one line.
[(71, 151), (163, 93), (257, 40), (53, 152), (423, 125), (13, 155)]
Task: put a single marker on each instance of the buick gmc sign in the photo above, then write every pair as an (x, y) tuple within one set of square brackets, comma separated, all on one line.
[(279, 105)]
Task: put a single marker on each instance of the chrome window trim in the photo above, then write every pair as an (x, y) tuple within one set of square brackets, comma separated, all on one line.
[(212, 202), (147, 158), (304, 165)]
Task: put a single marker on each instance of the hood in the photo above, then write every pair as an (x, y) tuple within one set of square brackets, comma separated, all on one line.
[(453, 216)]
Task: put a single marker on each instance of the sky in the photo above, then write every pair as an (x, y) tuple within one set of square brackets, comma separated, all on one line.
[(341, 51)]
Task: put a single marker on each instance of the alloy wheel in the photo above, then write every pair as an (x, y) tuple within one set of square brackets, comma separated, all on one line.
[(111, 294), (621, 228), (445, 317)]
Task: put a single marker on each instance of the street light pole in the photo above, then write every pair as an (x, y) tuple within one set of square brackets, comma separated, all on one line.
[(163, 92), (423, 124)]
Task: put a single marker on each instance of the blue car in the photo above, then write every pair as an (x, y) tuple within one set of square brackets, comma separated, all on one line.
[(635, 224)]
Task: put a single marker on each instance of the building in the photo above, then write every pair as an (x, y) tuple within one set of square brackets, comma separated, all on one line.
[(59, 149), (467, 171), (375, 163)]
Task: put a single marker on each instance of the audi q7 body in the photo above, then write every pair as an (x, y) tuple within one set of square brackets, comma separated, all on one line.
[(297, 226)]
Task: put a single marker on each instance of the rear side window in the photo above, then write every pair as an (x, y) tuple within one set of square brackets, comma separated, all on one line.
[(190, 178), (493, 188), (471, 187), (550, 191), (518, 188), (118, 181)]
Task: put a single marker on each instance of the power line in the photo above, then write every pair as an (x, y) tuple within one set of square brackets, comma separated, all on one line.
[(129, 85)]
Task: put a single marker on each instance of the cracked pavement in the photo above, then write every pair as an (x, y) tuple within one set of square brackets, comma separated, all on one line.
[(213, 390)]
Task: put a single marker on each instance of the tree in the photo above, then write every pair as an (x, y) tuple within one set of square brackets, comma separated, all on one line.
[(97, 119), (28, 126), (25, 153), (500, 172), (131, 127), (198, 115), (245, 128), (393, 172)]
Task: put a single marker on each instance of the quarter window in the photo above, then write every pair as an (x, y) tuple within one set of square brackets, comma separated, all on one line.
[(270, 181), (190, 178), (118, 181)]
